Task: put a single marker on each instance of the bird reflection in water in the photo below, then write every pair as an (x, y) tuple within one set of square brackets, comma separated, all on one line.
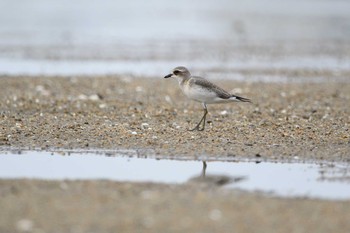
[(214, 180)]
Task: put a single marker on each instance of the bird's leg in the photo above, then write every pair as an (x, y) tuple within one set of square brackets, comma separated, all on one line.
[(202, 120), (205, 116), (204, 169)]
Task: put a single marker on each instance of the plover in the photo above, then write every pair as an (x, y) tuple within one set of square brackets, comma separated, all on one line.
[(201, 90)]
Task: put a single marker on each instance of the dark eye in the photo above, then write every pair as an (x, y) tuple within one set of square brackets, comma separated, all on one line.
[(176, 72)]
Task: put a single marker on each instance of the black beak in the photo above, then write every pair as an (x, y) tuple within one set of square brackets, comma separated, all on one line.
[(168, 76)]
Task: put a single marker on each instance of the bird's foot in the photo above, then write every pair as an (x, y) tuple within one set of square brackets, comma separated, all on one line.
[(197, 128), (201, 123)]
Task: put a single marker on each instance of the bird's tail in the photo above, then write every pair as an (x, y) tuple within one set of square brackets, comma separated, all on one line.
[(240, 99)]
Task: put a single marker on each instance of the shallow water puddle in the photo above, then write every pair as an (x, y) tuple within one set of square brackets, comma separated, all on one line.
[(328, 181), (154, 68)]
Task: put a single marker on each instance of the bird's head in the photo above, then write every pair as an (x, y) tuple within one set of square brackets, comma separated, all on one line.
[(179, 73)]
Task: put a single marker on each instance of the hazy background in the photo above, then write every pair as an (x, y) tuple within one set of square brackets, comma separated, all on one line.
[(149, 38)]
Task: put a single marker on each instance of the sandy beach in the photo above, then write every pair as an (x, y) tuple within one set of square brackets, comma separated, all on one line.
[(86, 77), (307, 120), (294, 121)]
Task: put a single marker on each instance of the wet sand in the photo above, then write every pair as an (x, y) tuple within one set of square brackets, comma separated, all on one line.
[(102, 206), (303, 121), (307, 120)]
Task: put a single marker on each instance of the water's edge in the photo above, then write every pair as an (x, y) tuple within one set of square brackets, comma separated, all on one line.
[(325, 180)]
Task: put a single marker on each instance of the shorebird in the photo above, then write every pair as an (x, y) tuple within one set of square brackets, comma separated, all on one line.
[(203, 91)]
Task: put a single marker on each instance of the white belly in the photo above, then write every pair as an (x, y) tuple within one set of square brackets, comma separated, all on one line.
[(202, 95)]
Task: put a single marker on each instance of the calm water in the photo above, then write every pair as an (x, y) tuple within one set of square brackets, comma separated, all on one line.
[(326, 181), (149, 38)]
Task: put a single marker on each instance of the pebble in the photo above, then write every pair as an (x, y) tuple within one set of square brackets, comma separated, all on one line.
[(94, 97), (144, 126), (102, 106), (224, 112), (168, 99), (24, 225), (82, 97), (139, 89), (215, 214)]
